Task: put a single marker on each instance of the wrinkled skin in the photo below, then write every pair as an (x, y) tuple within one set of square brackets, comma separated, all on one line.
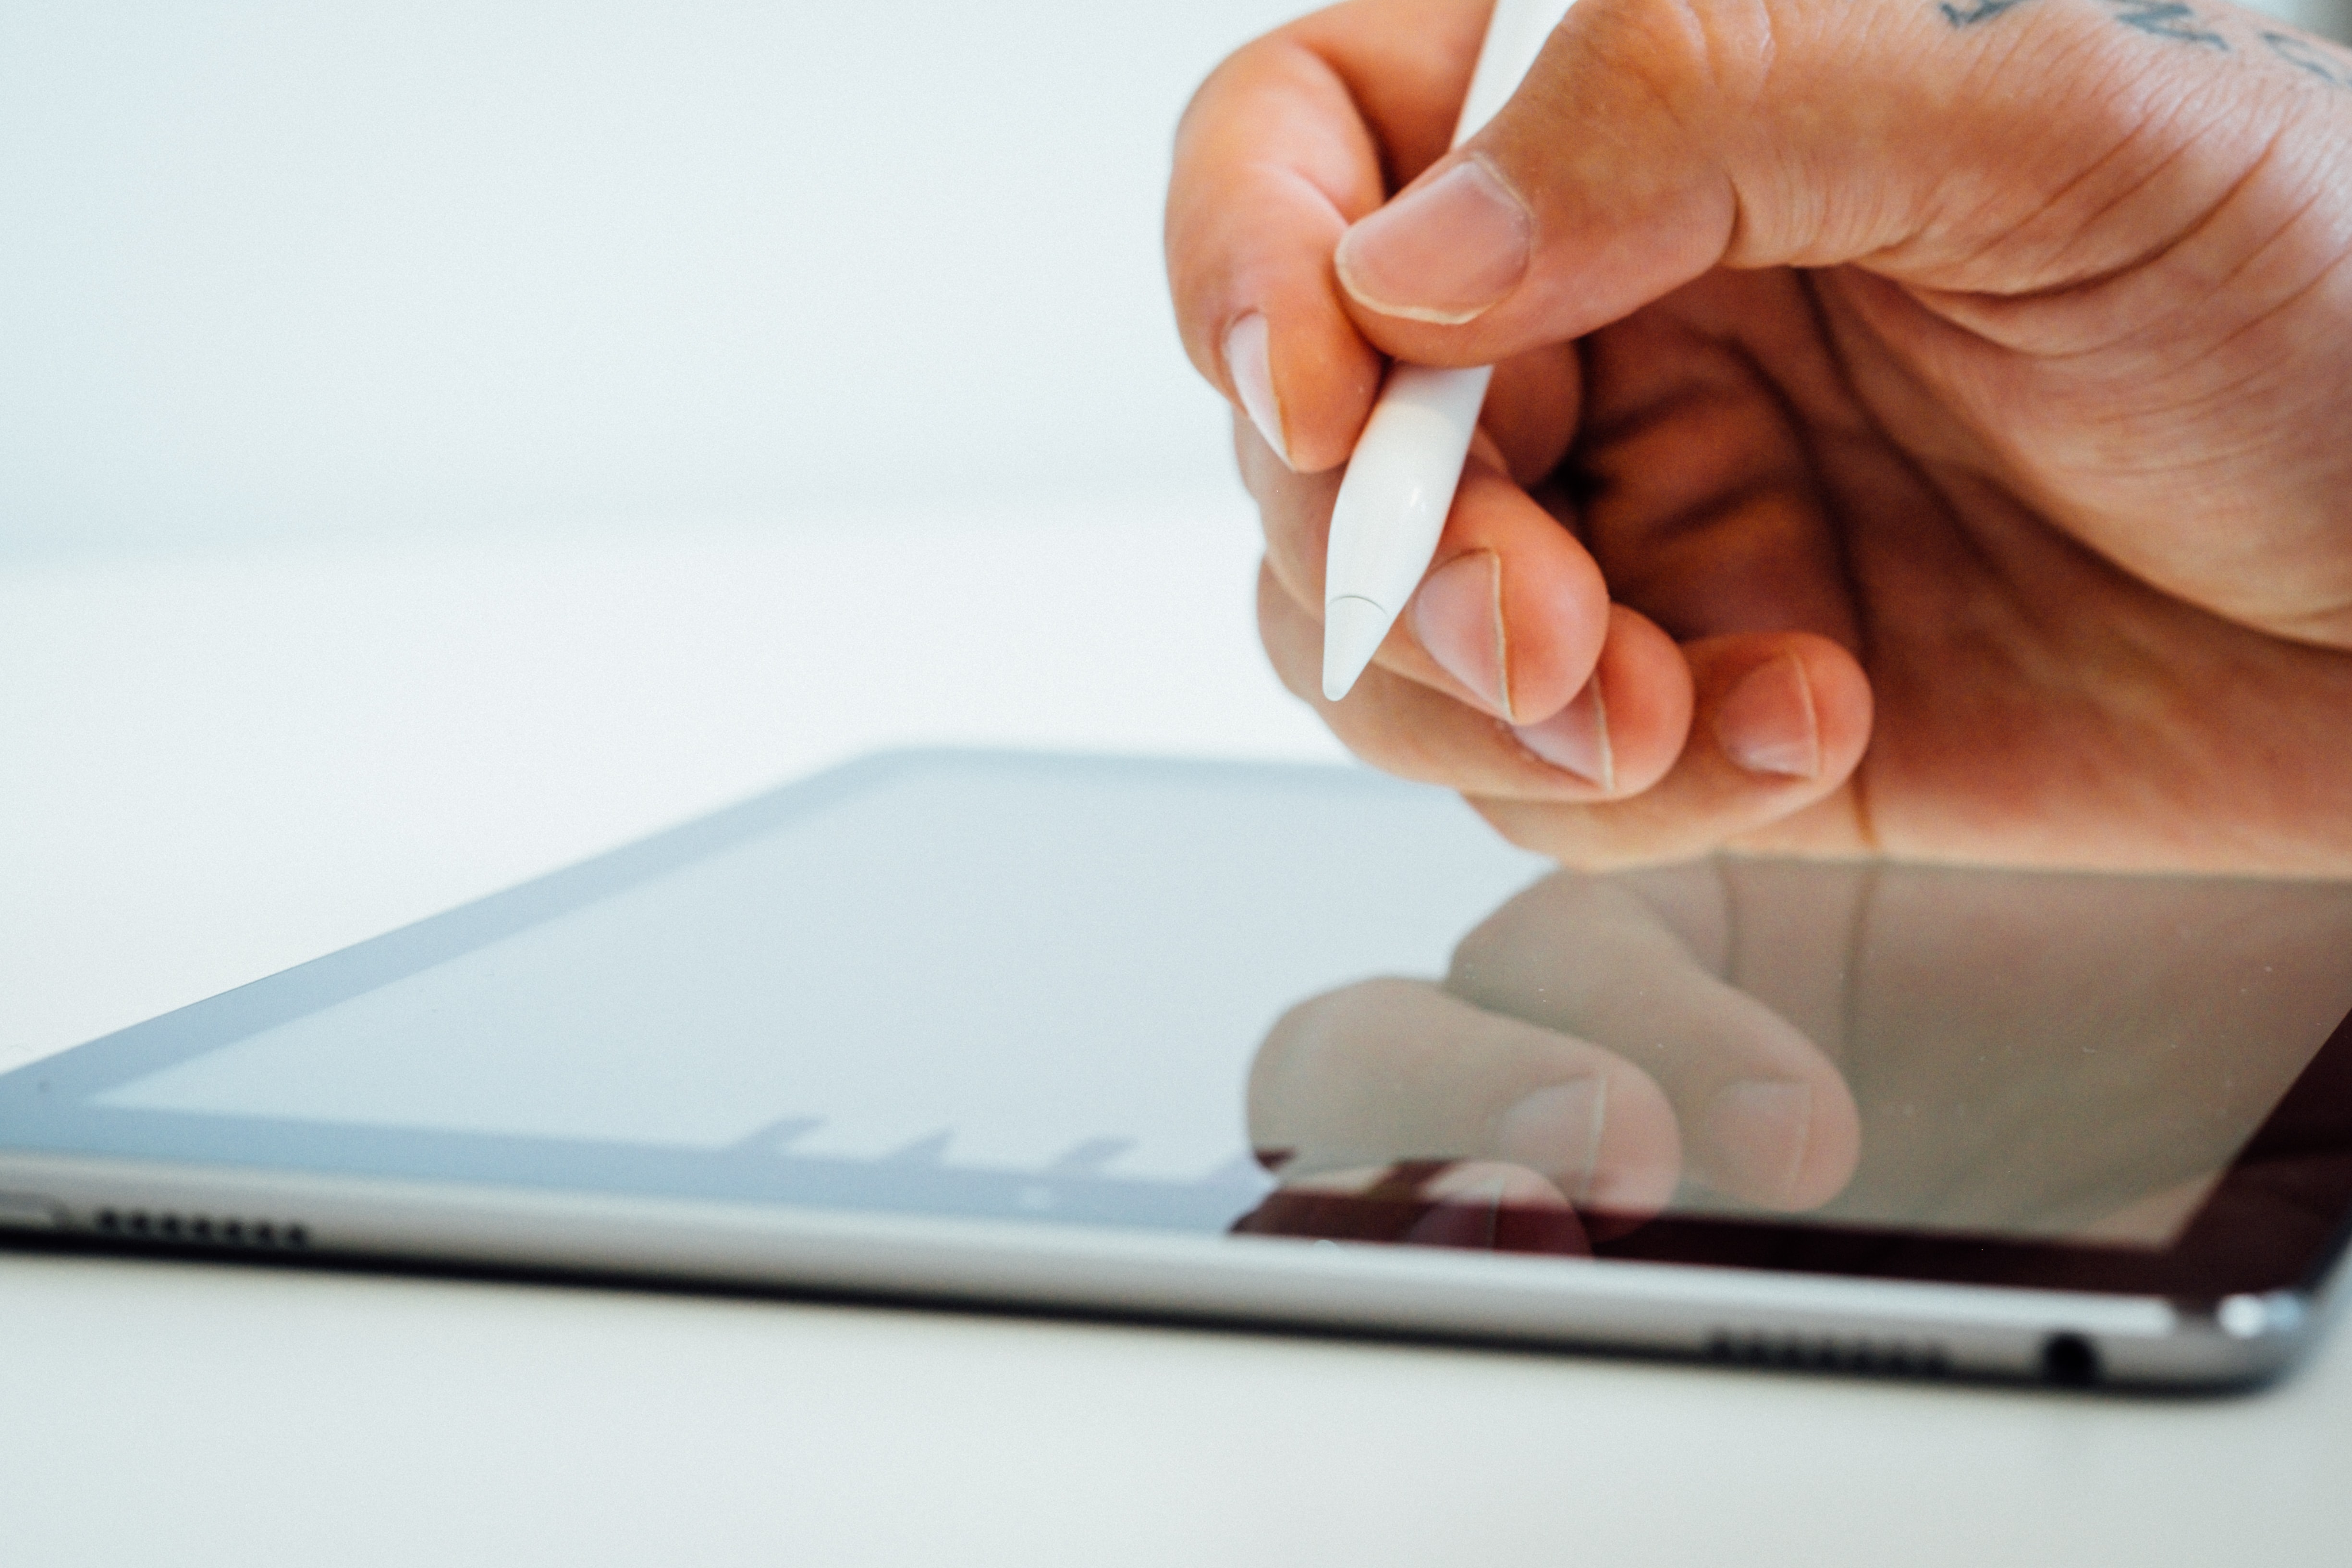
[(1917, 431)]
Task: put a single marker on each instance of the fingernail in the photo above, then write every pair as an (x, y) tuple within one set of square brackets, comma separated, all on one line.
[(1756, 1132), (1765, 723), (1557, 1130), (1458, 615), (1249, 363), (1443, 251), (1576, 738)]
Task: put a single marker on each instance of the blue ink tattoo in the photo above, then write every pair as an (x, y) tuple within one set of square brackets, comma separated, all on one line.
[(2306, 56), (2165, 19), (1979, 11)]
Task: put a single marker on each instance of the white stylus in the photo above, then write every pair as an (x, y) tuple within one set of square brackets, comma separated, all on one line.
[(1407, 464)]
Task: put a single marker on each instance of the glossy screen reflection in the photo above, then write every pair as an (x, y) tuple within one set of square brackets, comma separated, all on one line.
[(2004, 1054)]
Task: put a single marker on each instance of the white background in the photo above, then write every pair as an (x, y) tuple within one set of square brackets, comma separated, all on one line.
[(274, 270), (283, 269), (438, 443)]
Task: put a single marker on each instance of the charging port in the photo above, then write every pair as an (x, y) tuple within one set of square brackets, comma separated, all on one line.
[(2070, 1361)]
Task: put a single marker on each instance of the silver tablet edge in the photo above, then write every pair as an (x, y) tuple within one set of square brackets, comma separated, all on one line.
[(1719, 1314)]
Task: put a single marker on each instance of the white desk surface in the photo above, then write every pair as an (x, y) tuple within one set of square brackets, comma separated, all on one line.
[(212, 766)]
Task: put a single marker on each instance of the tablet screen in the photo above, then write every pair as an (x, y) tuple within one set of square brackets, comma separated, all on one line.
[(964, 965), (1289, 1001)]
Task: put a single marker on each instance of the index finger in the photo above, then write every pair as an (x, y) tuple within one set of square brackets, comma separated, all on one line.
[(1291, 140)]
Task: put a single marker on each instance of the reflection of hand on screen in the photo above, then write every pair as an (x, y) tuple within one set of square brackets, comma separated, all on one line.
[(2071, 1055), (1578, 1053), (2009, 1052)]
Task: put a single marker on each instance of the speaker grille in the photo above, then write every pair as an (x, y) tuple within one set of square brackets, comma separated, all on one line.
[(1899, 1358), (202, 1229)]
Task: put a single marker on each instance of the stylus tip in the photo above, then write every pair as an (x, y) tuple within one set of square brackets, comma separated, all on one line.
[(1352, 630)]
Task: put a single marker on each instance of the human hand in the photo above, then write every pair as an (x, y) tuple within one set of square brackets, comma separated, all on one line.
[(1918, 428), (1984, 1051)]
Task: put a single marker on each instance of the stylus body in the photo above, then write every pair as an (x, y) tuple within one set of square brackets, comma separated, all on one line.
[(1407, 464), (1391, 509)]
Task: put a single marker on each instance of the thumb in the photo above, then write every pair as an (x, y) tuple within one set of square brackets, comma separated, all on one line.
[(1984, 146)]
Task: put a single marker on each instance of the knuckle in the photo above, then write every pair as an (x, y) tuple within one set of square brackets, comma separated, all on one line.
[(1236, 67), (1694, 59)]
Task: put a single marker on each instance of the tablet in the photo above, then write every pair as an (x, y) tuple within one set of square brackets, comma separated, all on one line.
[(1289, 1045)]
